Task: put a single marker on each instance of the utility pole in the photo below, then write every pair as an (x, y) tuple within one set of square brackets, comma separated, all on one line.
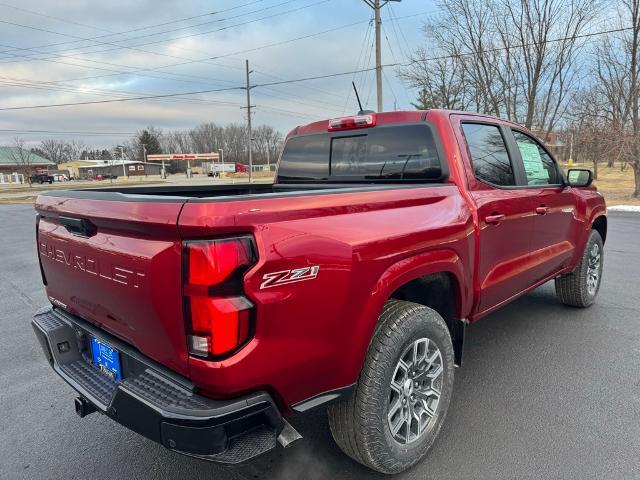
[(250, 134), (571, 150), (124, 169), (221, 158), (144, 157), (378, 21), (377, 5), (268, 159)]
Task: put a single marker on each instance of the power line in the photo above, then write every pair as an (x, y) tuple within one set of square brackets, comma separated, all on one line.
[(363, 47), (152, 69), (106, 93), (77, 133), (395, 59), (284, 42), (394, 24), (117, 100), (364, 78), (136, 47), (112, 33), (302, 101), (136, 71), (188, 61), (191, 100), (320, 77), (173, 22), (145, 51)]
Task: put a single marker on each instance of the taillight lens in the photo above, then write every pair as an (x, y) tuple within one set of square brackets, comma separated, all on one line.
[(219, 317)]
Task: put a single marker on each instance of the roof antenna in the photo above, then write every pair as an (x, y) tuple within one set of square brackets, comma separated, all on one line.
[(357, 96), (362, 111)]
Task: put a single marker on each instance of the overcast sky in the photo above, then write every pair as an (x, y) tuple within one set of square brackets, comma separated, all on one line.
[(34, 71)]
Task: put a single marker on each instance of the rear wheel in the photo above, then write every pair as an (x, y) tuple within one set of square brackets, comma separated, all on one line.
[(580, 287), (403, 392)]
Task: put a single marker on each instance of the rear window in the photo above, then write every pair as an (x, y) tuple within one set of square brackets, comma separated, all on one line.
[(399, 152)]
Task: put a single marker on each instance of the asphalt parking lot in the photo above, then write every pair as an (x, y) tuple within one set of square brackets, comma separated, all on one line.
[(545, 391)]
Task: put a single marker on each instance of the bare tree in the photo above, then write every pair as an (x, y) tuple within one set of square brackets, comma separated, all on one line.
[(211, 137), (267, 144), (59, 151), (54, 150), (617, 82), (511, 58), (441, 82), (22, 157), (73, 149)]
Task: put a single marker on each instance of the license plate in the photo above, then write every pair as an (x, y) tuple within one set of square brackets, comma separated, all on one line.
[(106, 359)]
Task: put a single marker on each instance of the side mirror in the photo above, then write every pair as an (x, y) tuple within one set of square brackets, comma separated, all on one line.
[(579, 177)]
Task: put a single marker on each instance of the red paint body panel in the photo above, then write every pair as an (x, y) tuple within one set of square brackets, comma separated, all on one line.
[(311, 336), (126, 278), (326, 324)]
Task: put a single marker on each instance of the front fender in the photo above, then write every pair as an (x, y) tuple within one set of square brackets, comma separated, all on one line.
[(592, 208)]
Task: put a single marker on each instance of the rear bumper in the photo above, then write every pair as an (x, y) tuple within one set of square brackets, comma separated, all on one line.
[(154, 401)]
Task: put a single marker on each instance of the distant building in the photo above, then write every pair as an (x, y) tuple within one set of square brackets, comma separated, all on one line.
[(116, 168), (10, 162), (554, 144), (72, 166)]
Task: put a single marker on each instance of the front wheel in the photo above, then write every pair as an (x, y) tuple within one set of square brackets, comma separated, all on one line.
[(402, 395), (580, 287)]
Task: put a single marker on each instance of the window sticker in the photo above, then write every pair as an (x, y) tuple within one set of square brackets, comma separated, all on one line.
[(533, 165)]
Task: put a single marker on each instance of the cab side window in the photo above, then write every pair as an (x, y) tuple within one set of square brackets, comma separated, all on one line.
[(489, 156), (539, 167)]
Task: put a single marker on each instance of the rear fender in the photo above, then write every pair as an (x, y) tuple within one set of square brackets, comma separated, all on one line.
[(397, 275)]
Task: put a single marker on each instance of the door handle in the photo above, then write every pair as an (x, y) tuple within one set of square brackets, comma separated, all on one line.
[(541, 210), (494, 219), (78, 226)]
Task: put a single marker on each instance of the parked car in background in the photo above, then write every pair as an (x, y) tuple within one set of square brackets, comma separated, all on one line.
[(41, 178), (60, 177), (202, 316)]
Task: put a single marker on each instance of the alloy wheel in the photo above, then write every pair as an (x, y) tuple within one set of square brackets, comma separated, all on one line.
[(415, 391)]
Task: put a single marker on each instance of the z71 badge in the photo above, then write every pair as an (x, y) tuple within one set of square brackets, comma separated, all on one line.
[(289, 276)]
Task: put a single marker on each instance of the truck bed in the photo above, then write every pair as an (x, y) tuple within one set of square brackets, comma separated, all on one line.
[(219, 192)]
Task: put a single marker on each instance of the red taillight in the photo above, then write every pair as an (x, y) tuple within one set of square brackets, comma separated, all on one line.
[(350, 123), (218, 315)]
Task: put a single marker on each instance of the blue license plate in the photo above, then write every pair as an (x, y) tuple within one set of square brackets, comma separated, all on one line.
[(106, 359)]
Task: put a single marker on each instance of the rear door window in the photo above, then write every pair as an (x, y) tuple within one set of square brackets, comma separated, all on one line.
[(489, 155)]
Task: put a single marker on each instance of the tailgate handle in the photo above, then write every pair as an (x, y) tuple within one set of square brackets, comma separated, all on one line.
[(78, 226)]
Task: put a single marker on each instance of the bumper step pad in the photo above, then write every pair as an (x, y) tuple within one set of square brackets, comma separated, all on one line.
[(163, 393), (90, 378), (247, 445)]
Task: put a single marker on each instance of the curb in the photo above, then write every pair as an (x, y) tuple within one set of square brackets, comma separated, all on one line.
[(624, 208)]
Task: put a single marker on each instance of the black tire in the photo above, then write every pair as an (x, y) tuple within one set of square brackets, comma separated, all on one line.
[(359, 423), (573, 289)]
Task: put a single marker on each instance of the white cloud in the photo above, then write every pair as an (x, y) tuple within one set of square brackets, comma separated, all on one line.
[(281, 106)]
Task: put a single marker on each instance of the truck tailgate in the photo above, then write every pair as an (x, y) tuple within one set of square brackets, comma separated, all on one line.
[(117, 264)]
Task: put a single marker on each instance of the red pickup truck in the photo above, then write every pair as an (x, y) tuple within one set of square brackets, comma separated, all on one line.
[(202, 316)]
